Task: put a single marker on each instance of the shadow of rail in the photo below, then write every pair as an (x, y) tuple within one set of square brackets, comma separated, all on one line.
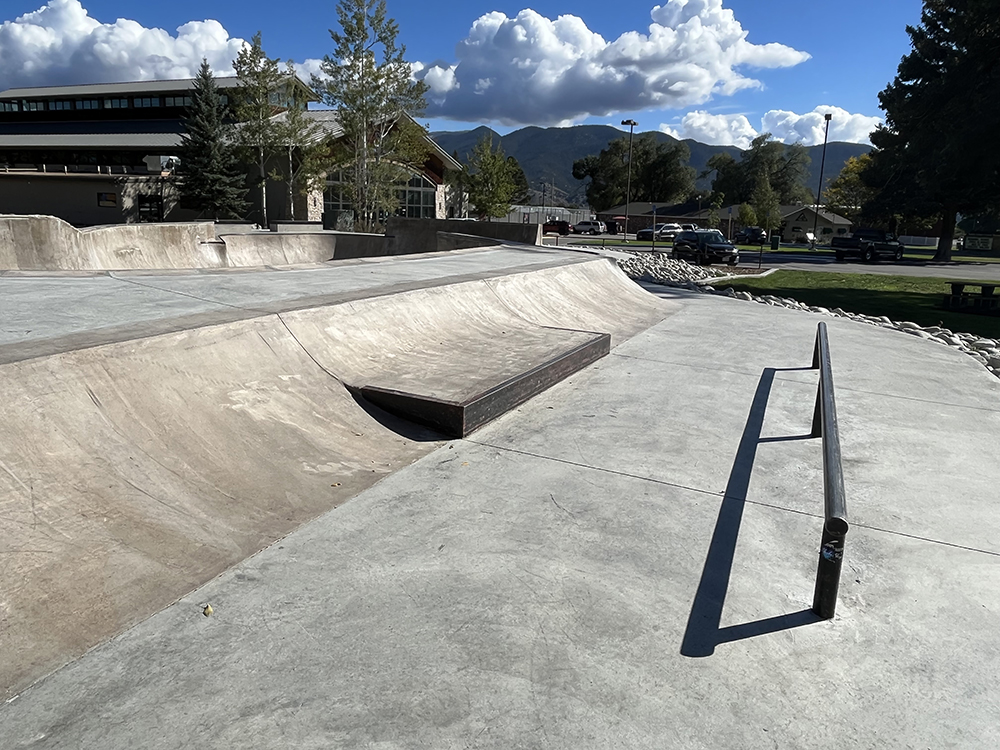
[(703, 632)]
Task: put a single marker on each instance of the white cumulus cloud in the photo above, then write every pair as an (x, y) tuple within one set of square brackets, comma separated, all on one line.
[(534, 70), (60, 43), (808, 128), (787, 127), (715, 130)]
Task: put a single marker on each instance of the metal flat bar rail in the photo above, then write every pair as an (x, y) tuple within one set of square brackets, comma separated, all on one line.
[(835, 525)]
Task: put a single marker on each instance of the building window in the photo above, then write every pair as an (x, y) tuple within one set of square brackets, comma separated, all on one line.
[(88, 104), (9, 107), (417, 197), (116, 103), (146, 101), (60, 105), (177, 101), (223, 99), (33, 106)]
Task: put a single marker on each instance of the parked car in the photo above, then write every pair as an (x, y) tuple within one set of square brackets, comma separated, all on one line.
[(705, 246), (868, 244), (664, 232), (751, 236), (590, 227), (558, 226)]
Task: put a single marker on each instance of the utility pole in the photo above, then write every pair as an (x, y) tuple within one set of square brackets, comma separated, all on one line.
[(822, 163), (628, 184)]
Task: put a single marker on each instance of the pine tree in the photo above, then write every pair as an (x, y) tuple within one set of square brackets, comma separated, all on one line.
[(212, 179), (371, 85), (938, 149)]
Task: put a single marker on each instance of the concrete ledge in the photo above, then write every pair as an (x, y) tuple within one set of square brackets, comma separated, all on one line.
[(461, 418)]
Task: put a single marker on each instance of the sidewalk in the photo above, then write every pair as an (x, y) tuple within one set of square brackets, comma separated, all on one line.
[(626, 561)]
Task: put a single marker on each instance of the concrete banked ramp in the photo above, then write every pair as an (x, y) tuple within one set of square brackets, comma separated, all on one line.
[(132, 472)]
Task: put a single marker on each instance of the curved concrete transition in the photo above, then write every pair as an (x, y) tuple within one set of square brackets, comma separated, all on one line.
[(132, 472), (46, 243)]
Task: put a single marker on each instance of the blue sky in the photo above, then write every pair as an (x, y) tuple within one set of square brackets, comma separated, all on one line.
[(716, 70)]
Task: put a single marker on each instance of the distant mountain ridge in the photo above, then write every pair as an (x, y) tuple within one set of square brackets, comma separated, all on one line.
[(547, 154)]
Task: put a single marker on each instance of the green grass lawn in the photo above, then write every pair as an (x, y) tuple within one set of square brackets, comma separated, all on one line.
[(897, 297)]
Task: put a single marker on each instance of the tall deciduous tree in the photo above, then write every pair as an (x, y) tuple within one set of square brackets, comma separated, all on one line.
[(746, 216), (848, 193), (938, 148), (659, 172), (306, 156), (765, 204), (369, 82), (490, 179), (255, 104), (213, 182), (783, 167)]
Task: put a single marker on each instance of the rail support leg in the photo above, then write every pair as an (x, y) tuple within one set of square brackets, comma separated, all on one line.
[(831, 557)]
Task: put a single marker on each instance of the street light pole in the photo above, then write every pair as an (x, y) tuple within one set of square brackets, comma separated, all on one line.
[(822, 164), (628, 184)]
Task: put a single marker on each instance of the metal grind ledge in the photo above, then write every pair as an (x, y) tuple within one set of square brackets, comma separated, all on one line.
[(460, 418)]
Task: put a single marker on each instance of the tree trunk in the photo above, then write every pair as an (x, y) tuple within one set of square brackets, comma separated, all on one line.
[(948, 218), (263, 190), (291, 186)]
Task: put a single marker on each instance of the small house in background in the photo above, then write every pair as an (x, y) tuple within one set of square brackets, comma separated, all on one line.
[(796, 222)]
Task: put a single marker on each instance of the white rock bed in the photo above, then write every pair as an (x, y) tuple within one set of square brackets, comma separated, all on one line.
[(678, 273)]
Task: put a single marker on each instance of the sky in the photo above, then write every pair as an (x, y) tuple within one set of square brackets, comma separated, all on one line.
[(718, 71)]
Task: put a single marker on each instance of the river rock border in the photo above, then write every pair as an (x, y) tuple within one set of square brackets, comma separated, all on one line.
[(678, 273)]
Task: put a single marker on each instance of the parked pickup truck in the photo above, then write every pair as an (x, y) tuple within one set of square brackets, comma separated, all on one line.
[(868, 244)]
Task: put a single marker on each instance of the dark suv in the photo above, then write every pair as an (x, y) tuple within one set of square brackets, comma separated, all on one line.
[(751, 236), (553, 225), (705, 246)]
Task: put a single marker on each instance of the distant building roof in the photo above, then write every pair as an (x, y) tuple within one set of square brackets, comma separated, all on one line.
[(129, 87)]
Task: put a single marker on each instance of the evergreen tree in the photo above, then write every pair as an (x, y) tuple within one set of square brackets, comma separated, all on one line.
[(522, 191), (256, 103), (371, 85), (490, 179), (938, 149), (212, 179)]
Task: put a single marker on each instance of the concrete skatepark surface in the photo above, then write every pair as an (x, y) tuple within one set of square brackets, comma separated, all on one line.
[(626, 560)]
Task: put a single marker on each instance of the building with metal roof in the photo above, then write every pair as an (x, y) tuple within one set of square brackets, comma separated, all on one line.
[(105, 153)]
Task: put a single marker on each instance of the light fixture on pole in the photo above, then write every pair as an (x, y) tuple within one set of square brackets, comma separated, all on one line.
[(822, 163), (628, 184)]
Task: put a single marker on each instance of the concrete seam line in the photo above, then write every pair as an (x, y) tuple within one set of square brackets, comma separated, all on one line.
[(595, 468), (308, 353), (723, 496), (185, 294)]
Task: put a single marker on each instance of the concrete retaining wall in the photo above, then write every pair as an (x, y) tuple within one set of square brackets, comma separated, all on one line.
[(421, 235), (45, 243)]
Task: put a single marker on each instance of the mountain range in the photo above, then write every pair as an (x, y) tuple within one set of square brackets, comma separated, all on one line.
[(547, 154)]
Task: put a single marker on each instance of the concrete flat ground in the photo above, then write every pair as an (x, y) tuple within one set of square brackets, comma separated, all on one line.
[(45, 313), (626, 561)]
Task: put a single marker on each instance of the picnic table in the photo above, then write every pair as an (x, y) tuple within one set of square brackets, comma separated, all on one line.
[(983, 301)]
